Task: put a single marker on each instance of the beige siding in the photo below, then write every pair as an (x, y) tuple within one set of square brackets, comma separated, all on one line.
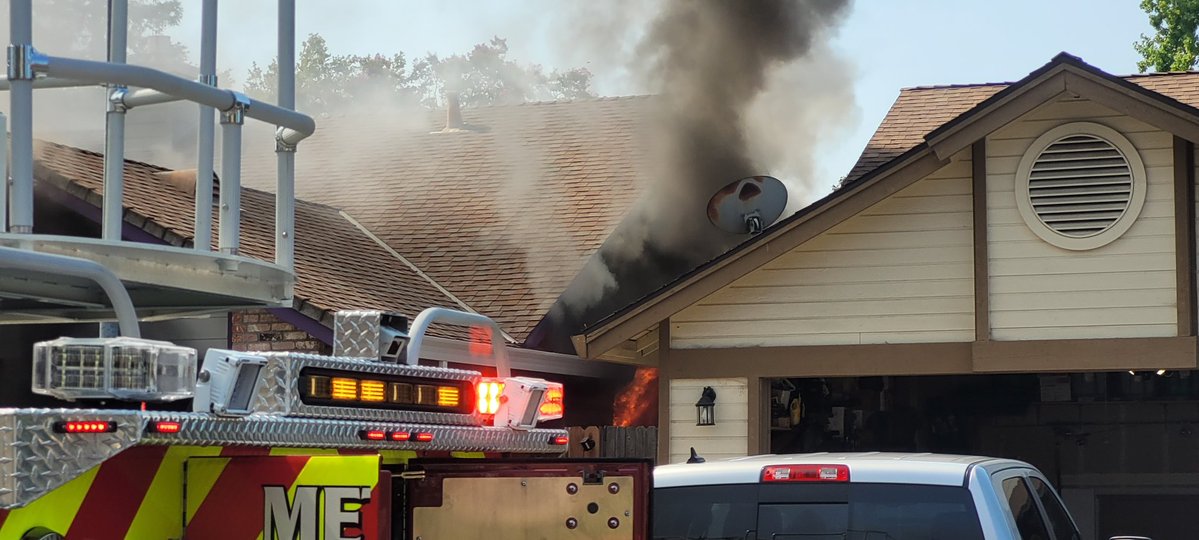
[(899, 272), (199, 333), (1123, 289), (728, 438)]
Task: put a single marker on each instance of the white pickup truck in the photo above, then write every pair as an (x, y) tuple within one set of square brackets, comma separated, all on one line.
[(860, 496)]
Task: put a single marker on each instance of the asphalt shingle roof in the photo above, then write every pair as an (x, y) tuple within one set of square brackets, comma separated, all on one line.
[(502, 214), (337, 265), (920, 110)]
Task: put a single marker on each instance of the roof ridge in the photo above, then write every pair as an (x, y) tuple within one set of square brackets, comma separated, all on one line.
[(597, 99), (1159, 74), (158, 168), (961, 85), (1009, 83)]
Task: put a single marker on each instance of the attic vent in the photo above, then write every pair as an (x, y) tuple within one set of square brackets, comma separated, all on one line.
[(1080, 186)]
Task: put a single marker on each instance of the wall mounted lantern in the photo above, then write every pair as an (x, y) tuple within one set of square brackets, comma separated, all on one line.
[(705, 408)]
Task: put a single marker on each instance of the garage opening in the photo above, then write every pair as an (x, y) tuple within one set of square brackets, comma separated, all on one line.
[(1107, 439)]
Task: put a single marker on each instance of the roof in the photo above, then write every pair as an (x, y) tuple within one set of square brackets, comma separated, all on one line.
[(918, 136), (920, 110), (874, 467), (502, 214), (337, 265)]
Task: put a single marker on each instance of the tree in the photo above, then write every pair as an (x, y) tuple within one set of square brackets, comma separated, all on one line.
[(1174, 46), (328, 83), (485, 76), (325, 82), (79, 28)]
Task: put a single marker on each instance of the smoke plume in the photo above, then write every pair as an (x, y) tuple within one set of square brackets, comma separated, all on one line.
[(710, 64)]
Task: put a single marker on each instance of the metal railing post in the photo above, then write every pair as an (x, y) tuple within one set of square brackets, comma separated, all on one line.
[(4, 181), (114, 126), (285, 153), (21, 60), (203, 221), (230, 195)]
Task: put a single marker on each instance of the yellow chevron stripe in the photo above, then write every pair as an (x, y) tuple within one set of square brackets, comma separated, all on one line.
[(162, 508), (54, 510), (359, 470), (468, 455), (202, 474), (303, 451), (396, 457)]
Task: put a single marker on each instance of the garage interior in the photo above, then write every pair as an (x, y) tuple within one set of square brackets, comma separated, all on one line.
[(1122, 446)]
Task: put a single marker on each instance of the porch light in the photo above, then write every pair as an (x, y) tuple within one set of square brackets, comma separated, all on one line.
[(705, 408)]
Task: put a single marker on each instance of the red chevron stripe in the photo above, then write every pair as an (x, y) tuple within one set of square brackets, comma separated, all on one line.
[(112, 501), (233, 508), (231, 451)]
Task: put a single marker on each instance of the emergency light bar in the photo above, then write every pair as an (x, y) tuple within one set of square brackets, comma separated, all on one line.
[(348, 388), (522, 401), (113, 368)]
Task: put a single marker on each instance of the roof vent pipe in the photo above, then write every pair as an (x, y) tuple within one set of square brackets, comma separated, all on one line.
[(453, 114)]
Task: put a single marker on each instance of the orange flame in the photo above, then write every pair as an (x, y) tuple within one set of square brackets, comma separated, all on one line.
[(637, 402)]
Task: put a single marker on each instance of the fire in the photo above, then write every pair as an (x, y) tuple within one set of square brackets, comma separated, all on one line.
[(637, 402)]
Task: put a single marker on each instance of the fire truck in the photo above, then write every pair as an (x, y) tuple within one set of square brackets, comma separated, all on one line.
[(370, 442), (364, 444)]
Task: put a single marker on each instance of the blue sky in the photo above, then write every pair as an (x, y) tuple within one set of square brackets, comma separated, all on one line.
[(888, 45)]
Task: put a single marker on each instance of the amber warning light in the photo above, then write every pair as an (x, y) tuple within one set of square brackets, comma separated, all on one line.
[(349, 389)]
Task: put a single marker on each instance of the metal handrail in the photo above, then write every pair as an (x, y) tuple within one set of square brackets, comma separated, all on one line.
[(36, 261)]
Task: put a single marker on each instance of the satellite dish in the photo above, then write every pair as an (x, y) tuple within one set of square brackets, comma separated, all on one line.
[(748, 205)]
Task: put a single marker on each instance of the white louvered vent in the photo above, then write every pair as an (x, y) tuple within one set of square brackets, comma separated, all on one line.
[(1080, 185)]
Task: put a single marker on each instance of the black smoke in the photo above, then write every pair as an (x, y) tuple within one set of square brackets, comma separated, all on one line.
[(706, 62)]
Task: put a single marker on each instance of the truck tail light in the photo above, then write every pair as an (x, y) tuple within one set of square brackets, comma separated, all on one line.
[(165, 427), (373, 434), (805, 473), (400, 436), (423, 437), (85, 426), (488, 392), (560, 440)]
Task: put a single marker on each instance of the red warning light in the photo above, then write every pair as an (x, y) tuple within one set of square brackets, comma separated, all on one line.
[(805, 473), (85, 426), (480, 341), (423, 437), (559, 440), (400, 436), (373, 434), (165, 427)]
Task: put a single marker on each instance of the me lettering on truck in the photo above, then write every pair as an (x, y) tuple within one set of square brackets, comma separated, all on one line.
[(858, 496)]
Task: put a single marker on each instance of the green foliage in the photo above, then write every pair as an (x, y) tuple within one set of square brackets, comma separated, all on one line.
[(78, 28), (327, 83), (1174, 46)]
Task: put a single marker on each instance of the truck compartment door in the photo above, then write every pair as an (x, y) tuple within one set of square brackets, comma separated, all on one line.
[(532, 499)]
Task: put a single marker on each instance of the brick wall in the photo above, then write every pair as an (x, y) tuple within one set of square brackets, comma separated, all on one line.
[(259, 330)]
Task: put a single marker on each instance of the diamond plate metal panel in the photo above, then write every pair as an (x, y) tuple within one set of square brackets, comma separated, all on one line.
[(279, 392), (34, 459), (356, 333), (260, 430)]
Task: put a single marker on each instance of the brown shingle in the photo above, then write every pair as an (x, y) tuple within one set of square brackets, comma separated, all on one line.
[(503, 216), (920, 110), (337, 266)]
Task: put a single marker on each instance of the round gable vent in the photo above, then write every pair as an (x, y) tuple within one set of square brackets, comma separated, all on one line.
[(1080, 186)]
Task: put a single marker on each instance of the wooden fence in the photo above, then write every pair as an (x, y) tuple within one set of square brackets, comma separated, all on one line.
[(614, 442)]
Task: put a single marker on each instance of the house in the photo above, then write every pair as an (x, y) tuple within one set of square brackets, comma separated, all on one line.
[(1009, 269), (493, 217)]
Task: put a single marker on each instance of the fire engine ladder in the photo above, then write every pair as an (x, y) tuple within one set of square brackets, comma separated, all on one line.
[(47, 278)]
